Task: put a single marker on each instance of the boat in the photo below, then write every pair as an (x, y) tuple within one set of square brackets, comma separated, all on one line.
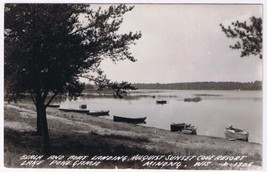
[(183, 128), (53, 106), (179, 126), (194, 99), (190, 130), (75, 110), (99, 113), (129, 120), (161, 102), (83, 106), (236, 134)]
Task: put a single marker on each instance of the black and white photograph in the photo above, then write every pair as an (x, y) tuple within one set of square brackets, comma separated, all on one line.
[(154, 86)]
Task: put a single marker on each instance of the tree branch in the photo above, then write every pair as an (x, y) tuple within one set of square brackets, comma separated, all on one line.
[(34, 101), (50, 100), (45, 95)]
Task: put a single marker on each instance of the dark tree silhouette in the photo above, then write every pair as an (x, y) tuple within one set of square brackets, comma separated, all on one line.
[(119, 89), (48, 47), (249, 35)]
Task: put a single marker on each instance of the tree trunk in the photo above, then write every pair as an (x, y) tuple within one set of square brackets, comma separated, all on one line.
[(38, 123), (42, 121)]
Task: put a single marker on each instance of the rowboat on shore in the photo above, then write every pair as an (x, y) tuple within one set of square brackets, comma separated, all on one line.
[(190, 130), (179, 126), (236, 134), (129, 120), (183, 128), (75, 110), (98, 113), (161, 102)]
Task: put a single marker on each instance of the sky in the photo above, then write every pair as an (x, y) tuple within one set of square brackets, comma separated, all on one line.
[(184, 43)]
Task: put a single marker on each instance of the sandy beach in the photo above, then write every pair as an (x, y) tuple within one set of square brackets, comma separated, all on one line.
[(83, 135)]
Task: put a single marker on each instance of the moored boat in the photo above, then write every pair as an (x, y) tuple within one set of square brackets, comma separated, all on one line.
[(75, 110), (236, 134), (183, 128), (98, 113), (194, 99), (129, 120), (83, 106), (179, 126), (190, 130), (161, 101)]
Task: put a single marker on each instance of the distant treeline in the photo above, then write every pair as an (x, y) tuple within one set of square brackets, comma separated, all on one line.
[(257, 85)]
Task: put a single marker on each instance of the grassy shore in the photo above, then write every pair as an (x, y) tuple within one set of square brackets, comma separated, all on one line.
[(83, 135)]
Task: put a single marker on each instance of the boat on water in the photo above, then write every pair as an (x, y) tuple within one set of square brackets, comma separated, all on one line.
[(161, 102), (98, 113), (194, 99), (183, 128), (179, 126), (75, 110), (232, 134), (83, 106), (129, 120)]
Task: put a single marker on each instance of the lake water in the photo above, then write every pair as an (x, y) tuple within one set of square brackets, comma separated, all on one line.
[(216, 110)]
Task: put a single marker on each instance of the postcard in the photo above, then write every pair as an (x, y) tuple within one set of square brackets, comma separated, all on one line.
[(162, 86)]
